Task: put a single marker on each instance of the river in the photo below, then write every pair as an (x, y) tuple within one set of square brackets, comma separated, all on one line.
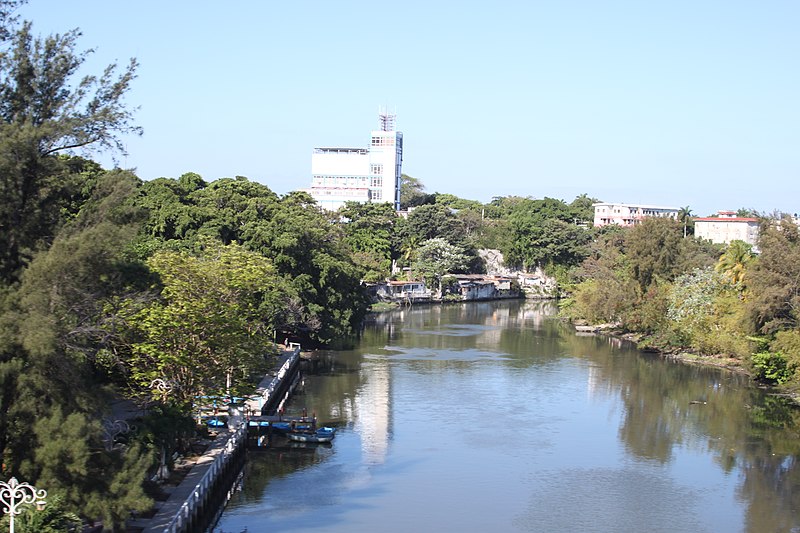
[(498, 417)]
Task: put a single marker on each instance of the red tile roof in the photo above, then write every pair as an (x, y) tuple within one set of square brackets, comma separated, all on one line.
[(726, 219)]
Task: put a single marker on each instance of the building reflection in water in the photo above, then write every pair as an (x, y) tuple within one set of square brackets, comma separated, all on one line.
[(372, 416)]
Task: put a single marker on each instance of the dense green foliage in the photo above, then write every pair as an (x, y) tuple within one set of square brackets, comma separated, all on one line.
[(164, 291), (653, 281), (112, 289)]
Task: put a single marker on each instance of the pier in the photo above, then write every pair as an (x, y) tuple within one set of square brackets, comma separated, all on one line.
[(208, 485), (273, 391)]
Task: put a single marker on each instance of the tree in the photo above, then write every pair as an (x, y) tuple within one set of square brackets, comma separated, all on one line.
[(684, 217), (454, 202), (546, 242), (309, 251), (212, 325), (7, 17), (734, 261), (55, 343), (583, 208), (429, 222), (543, 232), (43, 113), (432, 221), (653, 249), (73, 464), (368, 230), (773, 282), (52, 360), (437, 257), (412, 192), (324, 299), (234, 207), (748, 212), (54, 518), (174, 214), (605, 290), (692, 301)]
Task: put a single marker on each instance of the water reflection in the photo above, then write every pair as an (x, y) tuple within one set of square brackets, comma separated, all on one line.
[(624, 440)]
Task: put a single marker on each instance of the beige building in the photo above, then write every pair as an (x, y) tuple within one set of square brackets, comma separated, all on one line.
[(629, 214), (727, 227)]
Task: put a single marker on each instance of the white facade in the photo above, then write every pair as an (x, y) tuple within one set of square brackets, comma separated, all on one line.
[(727, 227), (359, 174), (629, 214)]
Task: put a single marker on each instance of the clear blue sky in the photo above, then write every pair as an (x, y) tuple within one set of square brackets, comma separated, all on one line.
[(660, 102)]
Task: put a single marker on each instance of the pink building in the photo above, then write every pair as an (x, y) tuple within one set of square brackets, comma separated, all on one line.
[(629, 214)]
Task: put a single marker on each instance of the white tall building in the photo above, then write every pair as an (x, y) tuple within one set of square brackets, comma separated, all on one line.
[(360, 174)]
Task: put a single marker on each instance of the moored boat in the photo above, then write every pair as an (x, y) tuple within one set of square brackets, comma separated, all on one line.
[(323, 434)]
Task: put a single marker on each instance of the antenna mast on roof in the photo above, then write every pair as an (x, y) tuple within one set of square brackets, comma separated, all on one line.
[(386, 120)]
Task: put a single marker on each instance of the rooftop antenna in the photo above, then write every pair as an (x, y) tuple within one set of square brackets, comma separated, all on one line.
[(386, 119)]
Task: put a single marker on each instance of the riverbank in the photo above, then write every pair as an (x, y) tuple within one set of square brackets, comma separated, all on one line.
[(724, 362), (594, 418), (720, 361)]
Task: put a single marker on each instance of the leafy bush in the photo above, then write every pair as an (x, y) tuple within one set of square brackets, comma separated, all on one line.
[(772, 367), (601, 301), (649, 314), (668, 341), (788, 343)]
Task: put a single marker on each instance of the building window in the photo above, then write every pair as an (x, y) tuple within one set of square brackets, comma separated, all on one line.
[(382, 141), (376, 169), (376, 182), (376, 195)]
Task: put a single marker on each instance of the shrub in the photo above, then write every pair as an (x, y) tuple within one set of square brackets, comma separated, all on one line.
[(772, 367), (599, 302), (788, 343)]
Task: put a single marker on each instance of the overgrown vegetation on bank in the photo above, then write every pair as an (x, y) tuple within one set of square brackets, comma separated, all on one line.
[(682, 295), (162, 292)]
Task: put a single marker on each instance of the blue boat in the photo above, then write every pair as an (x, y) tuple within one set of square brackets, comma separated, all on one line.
[(215, 423), (281, 427), (323, 434)]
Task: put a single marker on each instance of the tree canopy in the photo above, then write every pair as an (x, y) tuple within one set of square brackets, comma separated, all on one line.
[(212, 325), (45, 110)]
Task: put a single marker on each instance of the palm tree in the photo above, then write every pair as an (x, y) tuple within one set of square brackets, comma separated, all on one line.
[(684, 213), (734, 260)]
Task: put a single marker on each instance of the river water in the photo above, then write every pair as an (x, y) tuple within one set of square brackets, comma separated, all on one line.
[(498, 417)]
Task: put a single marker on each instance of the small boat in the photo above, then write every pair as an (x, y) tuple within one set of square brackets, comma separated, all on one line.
[(287, 427), (324, 434), (216, 422), (281, 427)]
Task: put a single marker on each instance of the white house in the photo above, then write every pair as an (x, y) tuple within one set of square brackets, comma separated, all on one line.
[(727, 227), (360, 174), (629, 214)]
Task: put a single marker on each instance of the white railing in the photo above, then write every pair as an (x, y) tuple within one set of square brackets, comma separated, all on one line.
[(278, 378), (203, 488), (201, 491)]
